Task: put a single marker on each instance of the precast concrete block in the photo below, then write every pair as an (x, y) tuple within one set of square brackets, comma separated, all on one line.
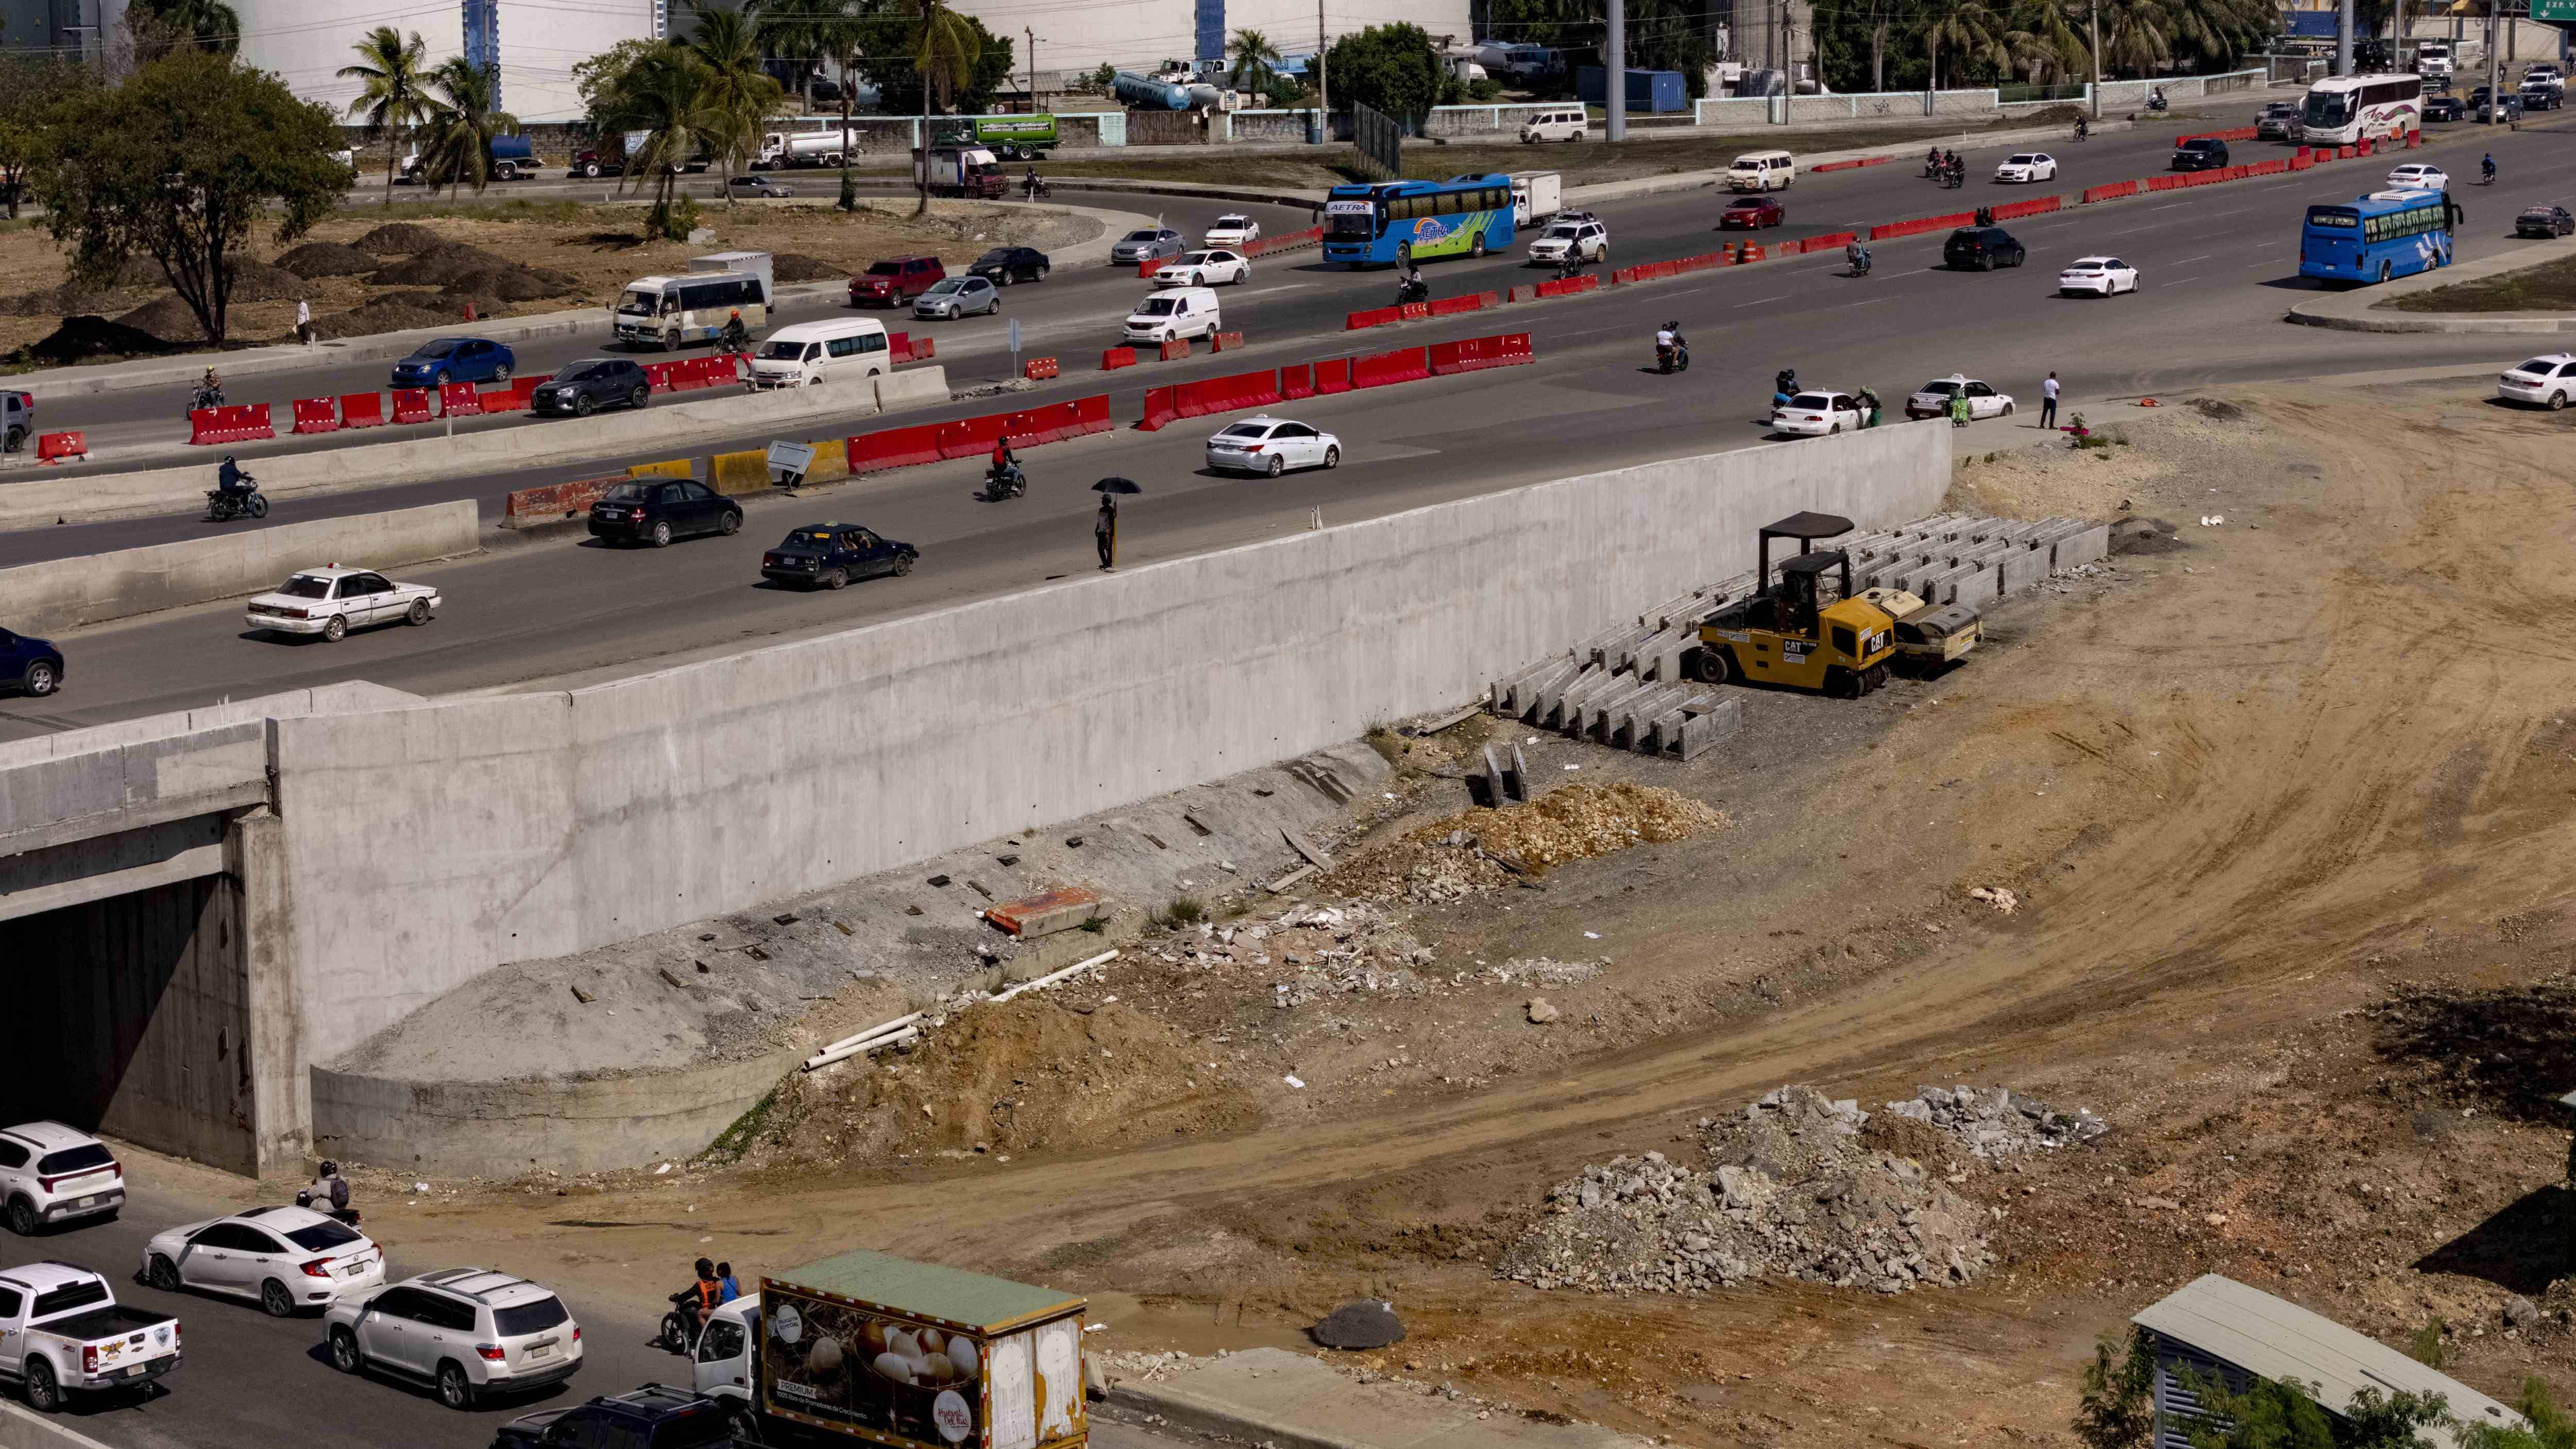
[(1513, 696), (1706, 727), (1636, 718), (1595, 650), (1574, 707), (2021, 569), (1602, 709), (2090, 544)]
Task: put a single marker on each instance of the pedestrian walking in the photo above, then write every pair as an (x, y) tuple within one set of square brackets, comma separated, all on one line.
[(304, 322), (2048, 402), (1104, 531)]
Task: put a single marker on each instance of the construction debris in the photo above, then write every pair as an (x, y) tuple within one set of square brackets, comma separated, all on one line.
[(1368, 1323), (1999, 1122), (1485, 850)]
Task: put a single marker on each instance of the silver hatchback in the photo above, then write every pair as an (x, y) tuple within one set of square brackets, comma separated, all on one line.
[(958, 297)]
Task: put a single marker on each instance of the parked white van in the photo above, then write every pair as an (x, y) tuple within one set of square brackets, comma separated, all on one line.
[(812, 352), (1567, 124), (694, 308), (1174, 312), (1761, 171)]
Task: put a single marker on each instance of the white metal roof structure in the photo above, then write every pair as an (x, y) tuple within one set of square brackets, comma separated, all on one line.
[(2272, 1338)]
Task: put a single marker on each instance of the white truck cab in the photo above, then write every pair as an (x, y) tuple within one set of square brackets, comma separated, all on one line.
[(62, 1332), (723, 1357)]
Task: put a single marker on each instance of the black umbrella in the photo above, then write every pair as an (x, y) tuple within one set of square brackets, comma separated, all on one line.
[(1116, 485)]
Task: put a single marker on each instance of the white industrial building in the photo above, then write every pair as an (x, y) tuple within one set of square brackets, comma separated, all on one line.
[(1072, 36)]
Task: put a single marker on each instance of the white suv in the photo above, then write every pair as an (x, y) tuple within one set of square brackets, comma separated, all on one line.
[(469, 1332), (50, 1173), (1589, 239)]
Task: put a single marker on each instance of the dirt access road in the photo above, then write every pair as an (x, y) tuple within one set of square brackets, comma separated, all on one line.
[(2235, 787)]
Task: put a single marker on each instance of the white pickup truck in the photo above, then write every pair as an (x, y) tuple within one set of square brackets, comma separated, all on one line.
[(62, 1332)]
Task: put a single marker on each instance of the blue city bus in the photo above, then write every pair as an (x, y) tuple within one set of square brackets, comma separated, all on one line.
[(2385, 234), (1393, 221)]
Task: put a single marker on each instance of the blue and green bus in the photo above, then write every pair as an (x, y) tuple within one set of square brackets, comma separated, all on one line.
[(1395, 221), (2385, 234)]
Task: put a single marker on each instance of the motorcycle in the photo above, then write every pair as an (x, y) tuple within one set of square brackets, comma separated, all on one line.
[(223, 507), (1036, 190), (2156, 103), (2082, 131), (1409, 291), (680, 1325), (1932, 170), (1673, 356), (206, 397), (346, 1217), (1004, 482), (1860, 265), (1955, 177)]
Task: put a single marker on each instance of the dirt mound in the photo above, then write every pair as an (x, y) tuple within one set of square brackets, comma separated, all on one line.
[(2507, 1051), (81, 339), (512, 284), (140, 271), (440, 265), (1023, 1076), (1481, 850), (798, 267), (399, 239), (1791, 1190), (167, 318), (67, 300), (381, 315), (260, 282), (327, 259)]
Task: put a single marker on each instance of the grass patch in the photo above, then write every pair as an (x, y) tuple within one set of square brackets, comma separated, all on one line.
[(2426, 1346), (1183, 911), (1096, 925), (2549, 287), (771, 1117)]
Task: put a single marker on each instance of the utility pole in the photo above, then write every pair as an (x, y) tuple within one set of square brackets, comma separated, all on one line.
[(2343, 39), (2495, 97), (1323, 91), (1614, 74), (2093, 22), (1032, 33)]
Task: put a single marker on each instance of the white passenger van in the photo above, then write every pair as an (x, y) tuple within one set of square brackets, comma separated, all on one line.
[(811, 352), (1564, 124), (1761, 171), (1172, 313), (669, 311)]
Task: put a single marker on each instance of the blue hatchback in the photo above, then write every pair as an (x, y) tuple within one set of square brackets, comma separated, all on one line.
[(33, 665), (456, 359)]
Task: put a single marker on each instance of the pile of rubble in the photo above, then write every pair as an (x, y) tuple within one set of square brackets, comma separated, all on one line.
[(1790, 1190), (1999, 1122), (1317, 951), (1485, 850)]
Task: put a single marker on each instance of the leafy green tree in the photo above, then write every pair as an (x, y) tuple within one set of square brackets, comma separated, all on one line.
[(2551, 1428), (1970, 30), (464, 117), (182, 163), (2117, 1409), (2134, 38), (890, 65), (33, 88), (2285, 1414), (1256, 61), (2047, 41), (838, 31), (160, 26), (664, 96), (602, 78), (1103, 78), (1389, 67), (393, 72), (737, 88), (790, 30)]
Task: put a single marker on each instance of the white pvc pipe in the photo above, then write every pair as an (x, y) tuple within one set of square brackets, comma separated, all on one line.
[(847, 1050), (1052, 978), (880, 1029)]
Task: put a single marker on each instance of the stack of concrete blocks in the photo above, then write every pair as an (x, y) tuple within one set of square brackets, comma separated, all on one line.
[(1952, 558), (1624, 686)]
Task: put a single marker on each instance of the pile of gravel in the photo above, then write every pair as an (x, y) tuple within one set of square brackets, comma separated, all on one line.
[(327, 259), (440, 265), (1999, 1122), (1790, 1191), (399, 239)]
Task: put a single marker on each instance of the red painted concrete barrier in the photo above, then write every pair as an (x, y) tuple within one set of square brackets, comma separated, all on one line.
[(1297, 381), (315, 415), (2112, 191), (458, 400), (1472, 302), (55, 447), (555, 501), (1372, 317), (893, 448), (411, 404), (1159, 410), (1114, 358), (1177, 348), (1567, 287), (1226, 342), (1404, 364), (1332, 377)]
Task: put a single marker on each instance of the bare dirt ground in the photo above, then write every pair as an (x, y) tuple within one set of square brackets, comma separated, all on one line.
[(2275, 797)]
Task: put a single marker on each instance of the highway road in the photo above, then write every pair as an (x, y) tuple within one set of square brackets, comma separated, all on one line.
[(255, 1382), (2219, 266)]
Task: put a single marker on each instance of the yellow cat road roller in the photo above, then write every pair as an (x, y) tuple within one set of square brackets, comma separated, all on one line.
[(1784, 633)]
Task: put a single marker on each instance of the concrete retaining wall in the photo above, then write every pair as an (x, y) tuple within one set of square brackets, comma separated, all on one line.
[(86, 499), (68, 593), (503, 1129), (432, 843), (25, 1429)]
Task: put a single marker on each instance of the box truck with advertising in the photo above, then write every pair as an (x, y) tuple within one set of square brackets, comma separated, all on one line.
[(869, 1348), (958, 171)]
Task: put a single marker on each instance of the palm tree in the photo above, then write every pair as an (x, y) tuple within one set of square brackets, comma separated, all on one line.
[(735, 85), (2047, 42), (840, 32), (788, 30), (1256, 61), (2134, 36), (665, 97), (944, 52), (463, 121), (395, 93), (160, 26), (1971, 31)]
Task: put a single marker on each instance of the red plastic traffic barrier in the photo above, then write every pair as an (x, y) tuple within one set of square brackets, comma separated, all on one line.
[(1404, 364), (1847, 165), (1831, 242), (1159, 410), (458, 400), (55, 447), (2111, 191), (229, 424), (411, 404), (2036, 207), (657, 375), (2301, 163), (1148, 269), (2344, 153), (1472, 302), (924, 348), (1091, 415), (1297, 381), (315, 415), (1415, 311), (1372, 317), (1177, 348), (969, 437), (1449, 357), (893, 448), (1039, 369), (1511, 349), (1114, 358), (1569, 286), (498, 400), (899, 346), (1238, 391), (1332, 377), (203, 424), (1225, 342), (362, 410)]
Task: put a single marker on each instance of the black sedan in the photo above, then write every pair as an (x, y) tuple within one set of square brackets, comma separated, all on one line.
[(829, 555), (657, 510), (2200, 153), (34, 665), (1982, 249), (1004, 265), (2444, 108), (582, 388), (2544, 221)]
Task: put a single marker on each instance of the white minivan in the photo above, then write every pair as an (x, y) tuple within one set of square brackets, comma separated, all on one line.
[(811, 352), (1566, 124), (1172, 313), (1761, 171)]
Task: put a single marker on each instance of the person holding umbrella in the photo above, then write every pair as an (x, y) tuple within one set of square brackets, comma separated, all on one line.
[(1104, 524)]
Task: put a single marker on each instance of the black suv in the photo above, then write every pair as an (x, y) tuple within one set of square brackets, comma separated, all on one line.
[(2444, 108), (652, 1417), (828, 555), (657, 510), (581, 388), (2200, 153), (1005, 265), (1982, 249)]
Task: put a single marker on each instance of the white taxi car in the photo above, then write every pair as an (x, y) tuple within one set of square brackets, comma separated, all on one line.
[(1272, 445), (285, 1258), (2102, 276), (1204, 269), (1819, 413), (2419, 176), (1586, 238), (2548, 381), (469, 1333), (332, 601), (1932, 399), (2027, 166), (1232, 230)]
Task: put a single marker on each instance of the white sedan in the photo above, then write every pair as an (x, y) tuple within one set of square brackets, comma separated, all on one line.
[(1204, 269), (285, 1258), (331, 602), (1232, 230), (2027, 166), (1820, 413), (2418, 176), (1932, 399), (1273, 446), (2102, 276)]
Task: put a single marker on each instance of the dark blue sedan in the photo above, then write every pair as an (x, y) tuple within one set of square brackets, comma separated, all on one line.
[(455, 359), (33, 665)]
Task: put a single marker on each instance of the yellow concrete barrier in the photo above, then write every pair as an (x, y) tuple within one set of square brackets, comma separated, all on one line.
[(831, 460), (743, 472), (667, 468)]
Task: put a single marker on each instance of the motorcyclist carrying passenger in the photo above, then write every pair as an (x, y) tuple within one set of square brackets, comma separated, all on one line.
[(710, 1293), (1858, 256), (1784, 387), (1670, 347)]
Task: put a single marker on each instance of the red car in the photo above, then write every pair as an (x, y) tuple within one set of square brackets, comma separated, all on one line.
[(1748, 212), (893, 283)]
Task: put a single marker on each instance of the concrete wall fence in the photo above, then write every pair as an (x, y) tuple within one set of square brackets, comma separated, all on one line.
[(68, 593)]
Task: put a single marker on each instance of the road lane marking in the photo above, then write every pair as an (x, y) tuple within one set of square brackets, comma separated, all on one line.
[(2178, 261), (1758, 301), (2178, 281)]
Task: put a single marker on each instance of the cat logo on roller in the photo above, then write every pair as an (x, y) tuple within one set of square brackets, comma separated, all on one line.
[(1787, 633)]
